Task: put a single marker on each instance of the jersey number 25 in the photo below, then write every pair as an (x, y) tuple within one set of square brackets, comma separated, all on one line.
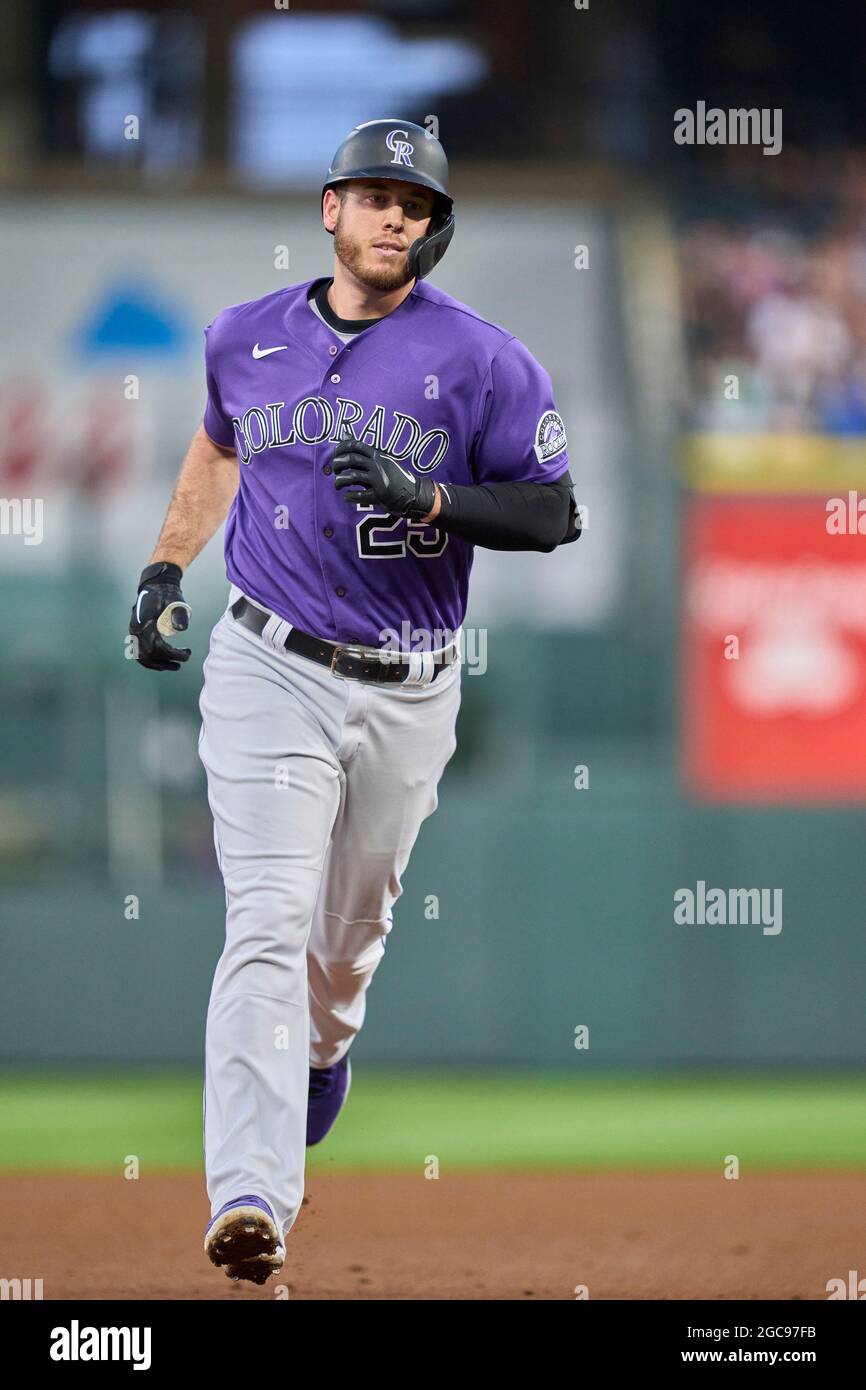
[(371, 547)]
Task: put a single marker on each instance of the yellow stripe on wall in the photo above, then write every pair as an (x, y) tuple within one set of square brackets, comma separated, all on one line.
[(731, 463)]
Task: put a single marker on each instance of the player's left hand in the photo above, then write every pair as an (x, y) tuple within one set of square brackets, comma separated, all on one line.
[(373, 479)]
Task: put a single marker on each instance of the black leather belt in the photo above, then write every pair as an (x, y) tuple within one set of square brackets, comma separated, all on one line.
[(342, 658)]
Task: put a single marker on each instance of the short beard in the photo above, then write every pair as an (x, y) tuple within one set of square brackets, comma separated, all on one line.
[(381, 277)]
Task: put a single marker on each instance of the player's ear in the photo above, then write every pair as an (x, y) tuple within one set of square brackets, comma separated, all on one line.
[(331, 202)]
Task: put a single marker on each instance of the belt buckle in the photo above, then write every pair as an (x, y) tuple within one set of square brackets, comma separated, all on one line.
[(349, 649)]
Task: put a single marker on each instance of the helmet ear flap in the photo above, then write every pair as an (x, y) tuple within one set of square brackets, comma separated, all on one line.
[(426, 252)]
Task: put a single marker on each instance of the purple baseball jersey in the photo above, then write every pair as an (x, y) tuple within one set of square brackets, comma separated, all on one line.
[(434, 385)]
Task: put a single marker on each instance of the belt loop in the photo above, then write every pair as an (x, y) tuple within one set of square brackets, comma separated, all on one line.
[(275, 632), (421, 668)]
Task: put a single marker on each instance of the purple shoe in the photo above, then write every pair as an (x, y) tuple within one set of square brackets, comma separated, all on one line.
[(244, 1239), (329, 1087)]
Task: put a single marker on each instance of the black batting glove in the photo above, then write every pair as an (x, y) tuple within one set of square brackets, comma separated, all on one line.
[(373, 479), (159, 609)]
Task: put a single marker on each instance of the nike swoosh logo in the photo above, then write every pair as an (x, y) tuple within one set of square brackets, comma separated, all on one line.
[(266, 352), (138, 605)]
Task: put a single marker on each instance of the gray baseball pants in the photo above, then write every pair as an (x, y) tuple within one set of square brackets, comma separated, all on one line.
[(318, 786)]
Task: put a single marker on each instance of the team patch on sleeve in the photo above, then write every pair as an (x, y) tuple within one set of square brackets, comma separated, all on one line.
[(549, 436)]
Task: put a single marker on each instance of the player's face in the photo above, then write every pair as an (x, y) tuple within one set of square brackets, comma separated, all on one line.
[(376, 224)]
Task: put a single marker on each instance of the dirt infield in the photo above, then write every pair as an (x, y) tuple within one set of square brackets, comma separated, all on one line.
[(472, 1236)]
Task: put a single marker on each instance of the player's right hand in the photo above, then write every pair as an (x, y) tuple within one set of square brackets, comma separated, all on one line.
[(153, 613)]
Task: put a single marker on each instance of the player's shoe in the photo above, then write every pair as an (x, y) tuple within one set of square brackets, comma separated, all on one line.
[(244, 1239), (329, 1087)]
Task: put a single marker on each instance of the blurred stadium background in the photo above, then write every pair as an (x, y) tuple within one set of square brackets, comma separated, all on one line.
[(702, 312)]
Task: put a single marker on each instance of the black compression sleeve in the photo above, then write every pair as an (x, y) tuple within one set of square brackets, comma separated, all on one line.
[(507, 516)]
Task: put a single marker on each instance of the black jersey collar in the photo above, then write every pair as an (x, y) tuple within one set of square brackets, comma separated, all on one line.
[(320, 295)]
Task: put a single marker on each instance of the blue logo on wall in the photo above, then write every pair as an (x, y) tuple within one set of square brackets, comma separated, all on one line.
[(131, 319)]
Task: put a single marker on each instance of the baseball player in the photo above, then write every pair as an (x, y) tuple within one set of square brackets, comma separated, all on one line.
[(363, 432)]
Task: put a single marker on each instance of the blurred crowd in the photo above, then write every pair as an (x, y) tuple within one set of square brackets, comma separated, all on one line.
[(775, 308)]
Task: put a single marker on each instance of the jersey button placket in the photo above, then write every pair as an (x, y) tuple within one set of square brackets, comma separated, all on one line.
[(339, 590)]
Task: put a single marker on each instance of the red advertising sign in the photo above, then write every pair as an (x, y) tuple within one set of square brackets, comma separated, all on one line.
[(774, 650)]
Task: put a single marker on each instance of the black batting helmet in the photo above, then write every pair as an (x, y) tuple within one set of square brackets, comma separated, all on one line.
[(395, 149)]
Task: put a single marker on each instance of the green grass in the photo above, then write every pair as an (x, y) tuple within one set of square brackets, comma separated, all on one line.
[(52, 1121)]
